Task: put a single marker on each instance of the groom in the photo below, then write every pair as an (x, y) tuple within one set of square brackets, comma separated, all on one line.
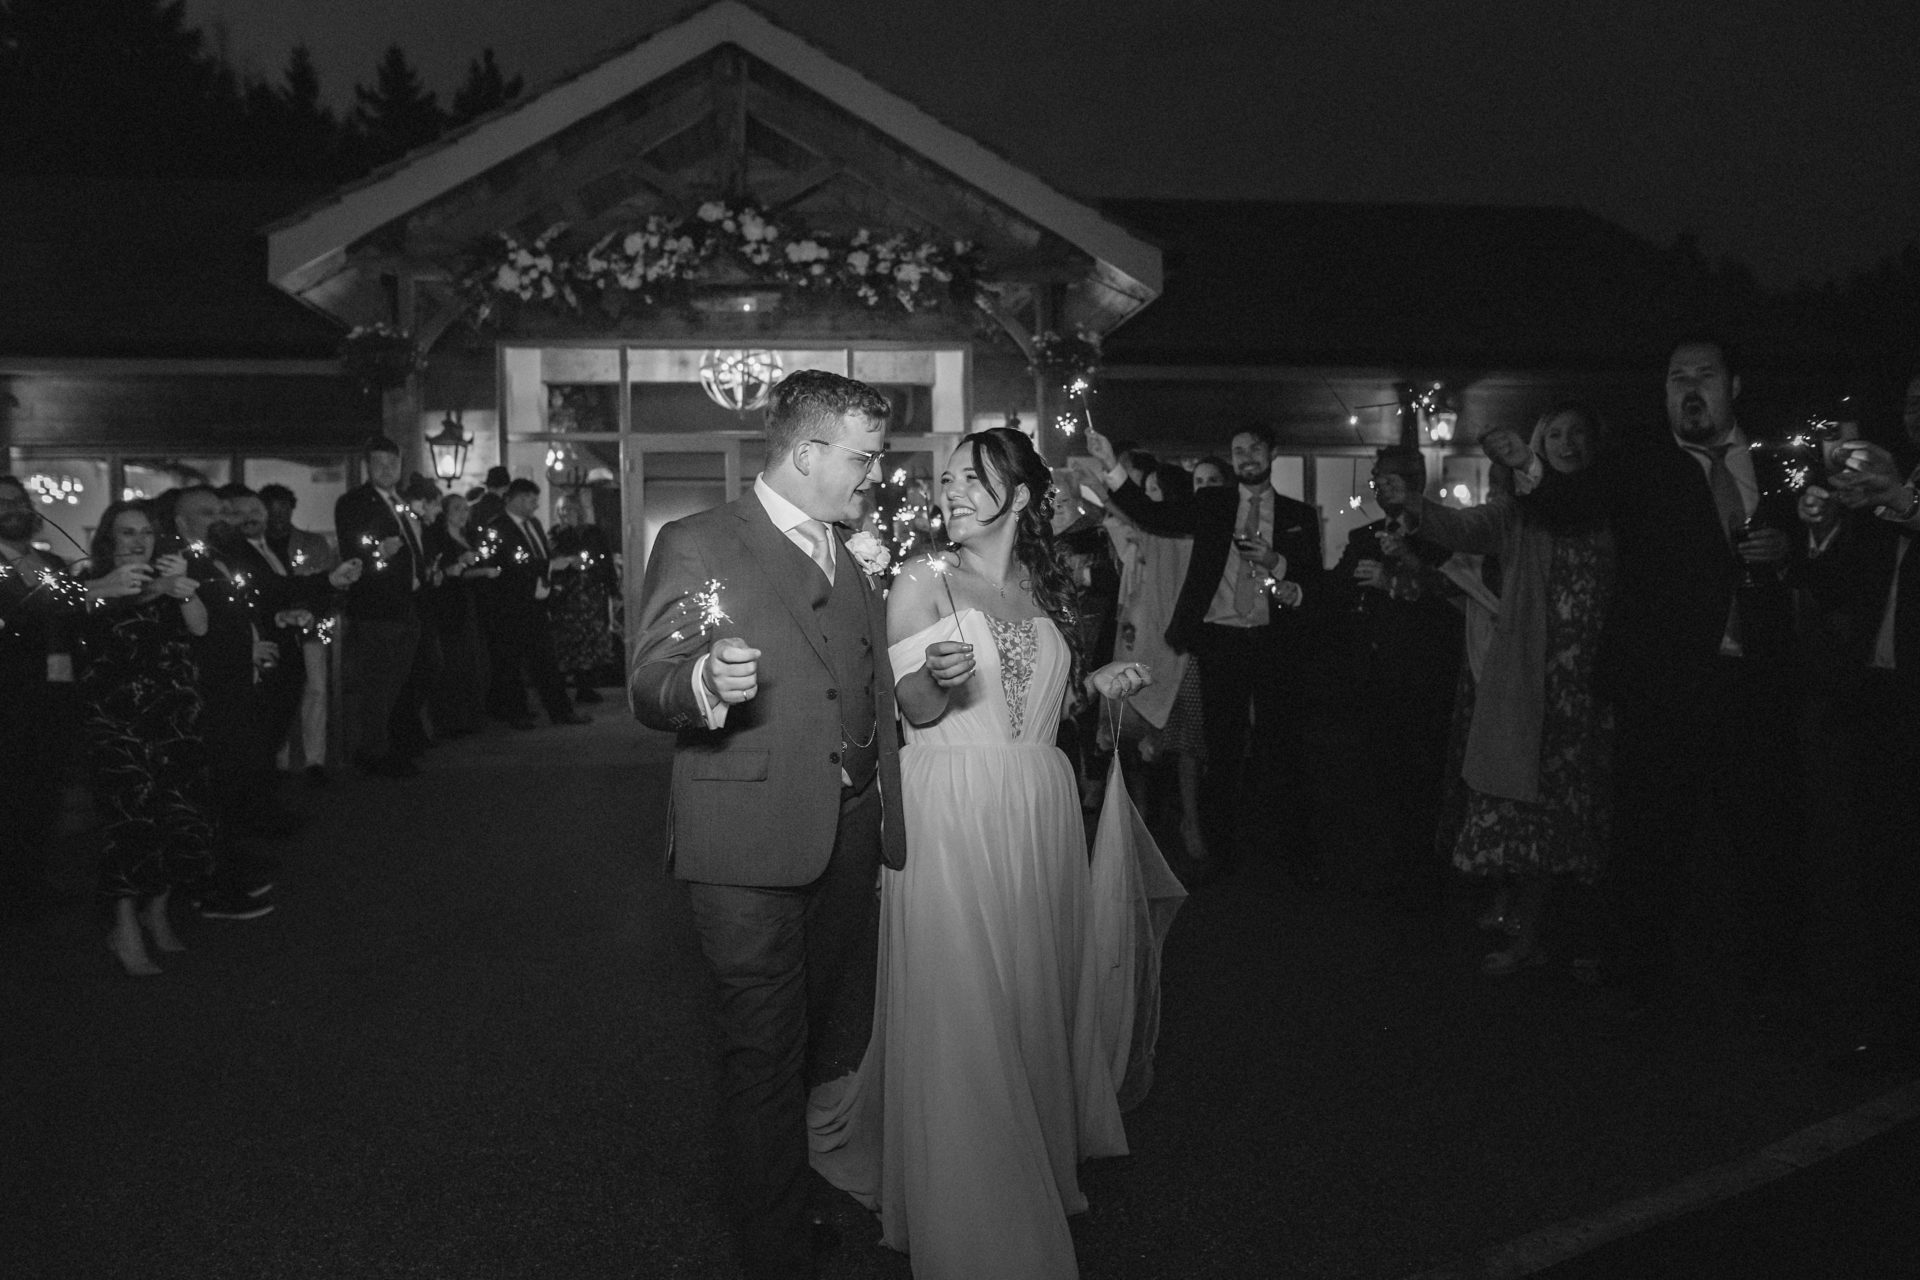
[(786, 779)]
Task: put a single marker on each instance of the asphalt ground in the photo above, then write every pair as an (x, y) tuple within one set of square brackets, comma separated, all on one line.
[(471, 1043)]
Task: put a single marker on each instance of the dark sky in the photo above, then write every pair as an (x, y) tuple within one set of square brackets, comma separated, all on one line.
[(1786, 132)]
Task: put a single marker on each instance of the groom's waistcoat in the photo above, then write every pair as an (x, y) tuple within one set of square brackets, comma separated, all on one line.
[(842, 613)]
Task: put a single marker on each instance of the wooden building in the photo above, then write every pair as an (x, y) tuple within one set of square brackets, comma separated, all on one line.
[(164, 335)]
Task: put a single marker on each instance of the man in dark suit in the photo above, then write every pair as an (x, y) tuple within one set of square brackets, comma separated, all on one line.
[(520, 639), (1255, 561), (286, 606), (1870, 572), (382, 631), (488, 506), (1397, 638), (786, 779), (1696, 659)]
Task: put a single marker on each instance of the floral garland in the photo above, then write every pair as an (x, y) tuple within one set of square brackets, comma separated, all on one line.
[(660, 262), (379, 357)]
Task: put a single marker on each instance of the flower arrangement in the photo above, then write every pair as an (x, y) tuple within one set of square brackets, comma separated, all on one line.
[(379, 357), (662, 259)]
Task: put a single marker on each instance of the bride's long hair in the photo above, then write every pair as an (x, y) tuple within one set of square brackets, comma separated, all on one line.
[(1005, 455)]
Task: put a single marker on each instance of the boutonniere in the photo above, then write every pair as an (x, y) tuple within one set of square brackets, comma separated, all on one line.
[(869, 553)]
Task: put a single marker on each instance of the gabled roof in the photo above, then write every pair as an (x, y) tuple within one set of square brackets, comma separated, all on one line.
[(139, 269), (313, 244), (1406, 285)]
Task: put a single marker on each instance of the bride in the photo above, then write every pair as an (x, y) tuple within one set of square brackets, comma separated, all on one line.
[(985, 1082)]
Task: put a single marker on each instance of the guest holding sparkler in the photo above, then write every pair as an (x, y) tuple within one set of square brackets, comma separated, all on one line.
[(305, 553), (520, 638), (584, 639), (382, 624), (149, 765), (1538, 747), (1255, 561), (39, 607), (454, 699)]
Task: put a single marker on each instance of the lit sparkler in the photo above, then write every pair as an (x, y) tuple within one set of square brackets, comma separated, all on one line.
[(703, 606), (942, 568)]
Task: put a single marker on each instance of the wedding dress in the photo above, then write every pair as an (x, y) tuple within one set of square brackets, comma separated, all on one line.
[(990, 1073)]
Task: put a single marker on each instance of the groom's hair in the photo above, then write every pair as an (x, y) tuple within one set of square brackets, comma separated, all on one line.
[(811, 402)]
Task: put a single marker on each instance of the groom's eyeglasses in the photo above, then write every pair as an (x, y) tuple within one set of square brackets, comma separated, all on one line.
[(867, 459)]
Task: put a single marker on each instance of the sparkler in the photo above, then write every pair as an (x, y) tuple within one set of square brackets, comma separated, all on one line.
[(940, 567), (703, 606)]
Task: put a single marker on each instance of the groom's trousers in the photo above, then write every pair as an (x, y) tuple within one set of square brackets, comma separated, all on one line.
[(794, 969)]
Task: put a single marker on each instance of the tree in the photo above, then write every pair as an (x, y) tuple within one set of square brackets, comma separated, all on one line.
[(485, 89), (398, 114), (113, 87)]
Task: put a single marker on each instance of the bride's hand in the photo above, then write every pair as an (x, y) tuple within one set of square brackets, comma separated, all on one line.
[(1120, 679), (949, 662)]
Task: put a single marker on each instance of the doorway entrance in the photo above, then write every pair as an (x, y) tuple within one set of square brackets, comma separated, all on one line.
[(632, 433)]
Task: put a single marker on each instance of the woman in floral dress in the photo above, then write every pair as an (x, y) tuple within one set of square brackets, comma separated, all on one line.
[(142, 706), (1537, 762)]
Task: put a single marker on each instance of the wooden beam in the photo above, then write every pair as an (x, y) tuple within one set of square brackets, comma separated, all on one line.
[(729, 89), (787, 190), (619, 149), (882, 168)]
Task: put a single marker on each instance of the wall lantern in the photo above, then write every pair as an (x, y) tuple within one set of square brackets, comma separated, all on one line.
[(739, 380), (449, 447)]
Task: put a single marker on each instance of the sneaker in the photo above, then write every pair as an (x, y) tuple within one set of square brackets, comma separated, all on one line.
[(227, 904)]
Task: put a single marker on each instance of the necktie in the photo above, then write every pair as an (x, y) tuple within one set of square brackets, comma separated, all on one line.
[(819, 545), (1246, 583), (1726, 492), (539, 538)]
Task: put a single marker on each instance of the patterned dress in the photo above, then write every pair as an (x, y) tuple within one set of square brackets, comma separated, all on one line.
[(1565, 832), (149, 764), (584, 641)]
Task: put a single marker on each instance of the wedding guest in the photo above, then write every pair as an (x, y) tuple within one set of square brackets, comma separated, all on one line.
[(584, 643), (305, 553), (382, 624), (521, 643), (1167, 713), (491, 502), (230, 657), (1696, 658), (455, 697), (1538, 748), (1255, 561), (39, 607), (406, 723), (1873, 572), (148, 762), (1400, 638)]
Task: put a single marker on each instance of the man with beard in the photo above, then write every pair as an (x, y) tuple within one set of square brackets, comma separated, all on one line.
[(1256, 558), (1696, 659)]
